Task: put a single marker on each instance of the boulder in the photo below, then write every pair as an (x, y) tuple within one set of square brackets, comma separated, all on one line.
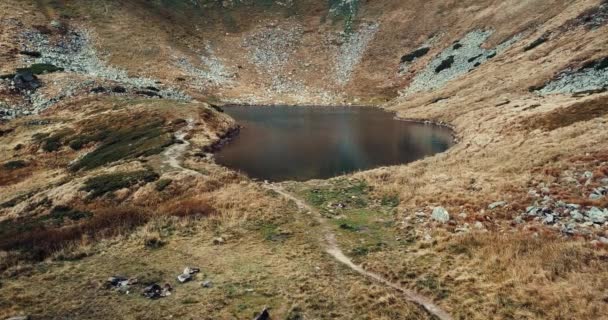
[(191, 270), (26, 80), (116, 280), (440, 214), (597, 215)]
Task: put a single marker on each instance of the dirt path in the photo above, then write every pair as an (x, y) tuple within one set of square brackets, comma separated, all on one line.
[(334, 250), (174, 153)]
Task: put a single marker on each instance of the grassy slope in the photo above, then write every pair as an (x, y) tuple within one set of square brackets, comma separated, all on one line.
[(513, 272)]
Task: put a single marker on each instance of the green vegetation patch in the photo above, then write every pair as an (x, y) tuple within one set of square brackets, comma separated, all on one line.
[(162, 184), (100, 185), (142, 138), (56, 217), (14, 165), (350, 194), (41, 68), (60, 213), (55, 141)]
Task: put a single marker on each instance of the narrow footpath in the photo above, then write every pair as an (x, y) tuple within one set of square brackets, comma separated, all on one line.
[(334, 250)]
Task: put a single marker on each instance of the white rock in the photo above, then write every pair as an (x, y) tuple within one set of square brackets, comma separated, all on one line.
[(440, 214), (497, 204)]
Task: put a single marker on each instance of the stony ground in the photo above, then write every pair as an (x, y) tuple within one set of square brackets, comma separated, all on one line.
[(110, 120)]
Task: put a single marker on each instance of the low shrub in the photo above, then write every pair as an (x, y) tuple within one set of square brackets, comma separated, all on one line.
[(542, 39), (41, 68), (445, 64), (43, 241), (122, 143), (162, 184), (15, 164), (420, 52), (100, 185)]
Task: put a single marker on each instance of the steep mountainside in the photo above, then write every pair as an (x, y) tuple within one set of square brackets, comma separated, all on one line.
[(110, 112)]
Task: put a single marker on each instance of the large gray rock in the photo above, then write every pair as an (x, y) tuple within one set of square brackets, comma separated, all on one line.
[(597, 215), (440, 214), (576, 215), (26, 80)]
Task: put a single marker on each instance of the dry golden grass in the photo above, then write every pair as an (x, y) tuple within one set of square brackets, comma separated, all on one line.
[(565, 116), (525, 272)]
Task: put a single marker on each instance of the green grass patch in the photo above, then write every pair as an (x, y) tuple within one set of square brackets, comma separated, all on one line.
[(100, 185), (352, 194), (41, 68), (135, 141)]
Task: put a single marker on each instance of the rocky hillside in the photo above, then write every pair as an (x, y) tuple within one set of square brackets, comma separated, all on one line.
[(111, 110)]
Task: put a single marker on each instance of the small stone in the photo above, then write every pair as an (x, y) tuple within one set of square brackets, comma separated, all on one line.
[(497, 204), (595, 196), (549, 219), (603, 240), (207, 284), (588, 175), (19, 318), (440, 214), (479, 225), (56, 24), (152, 291), (532, 211), (182, 278), (573, 205), (463, 215), (569, 229), (190, 270), (420, 214), (218, 241), (518, 220)]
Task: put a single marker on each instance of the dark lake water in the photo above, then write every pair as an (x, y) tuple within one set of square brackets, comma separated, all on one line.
[(281, 143)]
